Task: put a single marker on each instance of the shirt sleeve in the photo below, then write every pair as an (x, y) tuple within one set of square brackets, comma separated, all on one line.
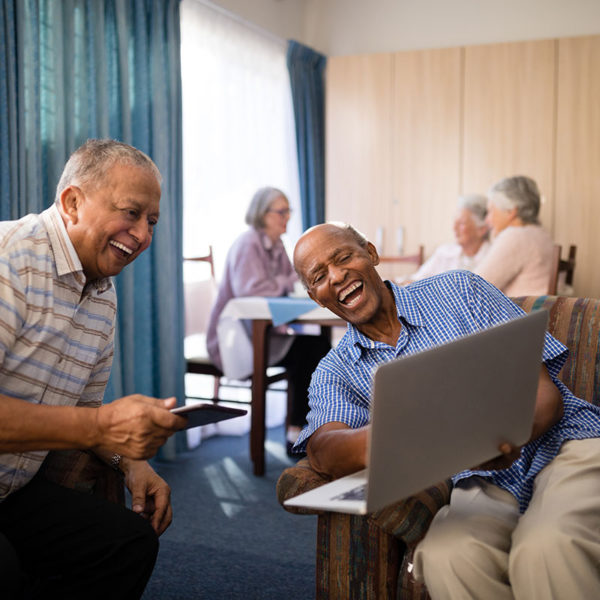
[(250, 276), (490, 307), (333, 398), (13, 306)]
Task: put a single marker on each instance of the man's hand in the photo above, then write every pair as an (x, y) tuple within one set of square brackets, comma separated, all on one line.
[(337, 450), (136, 426), (150, 494), (509, 454)]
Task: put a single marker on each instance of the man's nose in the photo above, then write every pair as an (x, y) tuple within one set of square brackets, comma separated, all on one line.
[(140, 230), (336, 273)]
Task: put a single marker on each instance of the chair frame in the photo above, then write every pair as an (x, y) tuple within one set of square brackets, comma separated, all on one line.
[(416, 258), (560, 265)]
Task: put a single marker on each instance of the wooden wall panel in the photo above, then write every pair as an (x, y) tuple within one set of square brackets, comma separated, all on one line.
[(509, 116), (577, 208), (426, 146), (358, 140)]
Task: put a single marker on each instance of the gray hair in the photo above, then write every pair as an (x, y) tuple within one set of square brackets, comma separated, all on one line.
[(476, 204), (90, 163), (518, 192), (260, 204)]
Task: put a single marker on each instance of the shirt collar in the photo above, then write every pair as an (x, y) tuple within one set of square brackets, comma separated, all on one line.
[(408, 313), (64, 253)]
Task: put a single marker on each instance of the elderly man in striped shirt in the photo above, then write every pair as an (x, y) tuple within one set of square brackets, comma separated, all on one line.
[(525, 525), (57, 319)]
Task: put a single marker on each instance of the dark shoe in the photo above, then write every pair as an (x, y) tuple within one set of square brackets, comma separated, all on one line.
[(289, 451)]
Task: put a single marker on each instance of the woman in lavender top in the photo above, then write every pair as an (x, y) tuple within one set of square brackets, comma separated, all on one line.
[(257, 265)]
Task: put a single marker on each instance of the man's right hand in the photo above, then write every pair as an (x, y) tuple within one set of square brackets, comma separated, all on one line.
[(136, 426)]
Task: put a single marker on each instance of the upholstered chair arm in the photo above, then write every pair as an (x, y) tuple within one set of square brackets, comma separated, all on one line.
[(409, 519), (295, 481), (85, 472)]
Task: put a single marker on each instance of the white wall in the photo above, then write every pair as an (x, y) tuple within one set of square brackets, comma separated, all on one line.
[(341, 27)]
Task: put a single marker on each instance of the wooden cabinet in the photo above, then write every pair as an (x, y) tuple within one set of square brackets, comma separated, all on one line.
[(577, 193), (408, 132), (358, 124), (509, 104)]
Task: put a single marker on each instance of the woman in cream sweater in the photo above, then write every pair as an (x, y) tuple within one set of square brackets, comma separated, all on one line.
[(519, 261)]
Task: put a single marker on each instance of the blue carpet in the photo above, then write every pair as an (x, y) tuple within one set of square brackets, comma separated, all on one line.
[(230, 538)]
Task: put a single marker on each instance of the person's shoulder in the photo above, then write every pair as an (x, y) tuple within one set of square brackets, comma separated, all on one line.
[(444, 280), (23, 238)]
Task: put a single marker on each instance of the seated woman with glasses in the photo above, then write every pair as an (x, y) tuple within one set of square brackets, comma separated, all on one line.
[(258, 265)]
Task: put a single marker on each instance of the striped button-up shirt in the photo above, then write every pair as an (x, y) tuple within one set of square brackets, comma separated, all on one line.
[(434, 311), (56, 332)]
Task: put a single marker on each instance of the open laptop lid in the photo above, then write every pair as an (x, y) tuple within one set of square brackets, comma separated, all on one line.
[(449, 408)]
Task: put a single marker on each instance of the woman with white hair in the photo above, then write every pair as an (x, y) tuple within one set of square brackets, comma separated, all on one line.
[(471, 246), (258, 265), (520, 259)]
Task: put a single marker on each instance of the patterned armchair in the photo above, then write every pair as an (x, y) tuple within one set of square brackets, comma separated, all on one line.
[(85, 472), (369, 557)]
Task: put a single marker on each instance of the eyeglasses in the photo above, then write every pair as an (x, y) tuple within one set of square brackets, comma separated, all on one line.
[(283, 212)]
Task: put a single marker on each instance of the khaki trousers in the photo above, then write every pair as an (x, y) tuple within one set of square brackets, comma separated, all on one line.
[(480, 547)]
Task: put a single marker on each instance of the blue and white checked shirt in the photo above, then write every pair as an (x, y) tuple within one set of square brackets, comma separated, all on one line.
[(434, 311)]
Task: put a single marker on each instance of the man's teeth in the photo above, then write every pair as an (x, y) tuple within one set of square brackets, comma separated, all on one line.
[(120, 246), (349, 290)]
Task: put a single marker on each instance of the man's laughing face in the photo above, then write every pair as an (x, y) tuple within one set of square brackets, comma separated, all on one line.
[(112, 221), (340, 273)]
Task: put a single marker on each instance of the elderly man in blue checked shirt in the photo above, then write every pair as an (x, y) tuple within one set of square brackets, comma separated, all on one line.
[(525, 525), (57, 320)]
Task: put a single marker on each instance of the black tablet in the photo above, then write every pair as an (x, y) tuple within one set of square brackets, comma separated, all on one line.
[(205, 413)]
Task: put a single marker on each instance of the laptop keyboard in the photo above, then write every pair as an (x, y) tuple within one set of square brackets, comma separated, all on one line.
[(357, 493)]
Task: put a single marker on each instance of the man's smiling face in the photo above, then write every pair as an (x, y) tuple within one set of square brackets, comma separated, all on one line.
[(112, 223), (340, 273)]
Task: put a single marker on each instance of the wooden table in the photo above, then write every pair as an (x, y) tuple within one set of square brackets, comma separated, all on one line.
[(257, 311), (260, 344)]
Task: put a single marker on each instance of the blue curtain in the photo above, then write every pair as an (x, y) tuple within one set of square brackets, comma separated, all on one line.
[(306, 68), (77, 69)]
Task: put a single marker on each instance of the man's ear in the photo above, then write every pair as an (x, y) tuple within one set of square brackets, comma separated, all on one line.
[(373, 253), (70, 201)]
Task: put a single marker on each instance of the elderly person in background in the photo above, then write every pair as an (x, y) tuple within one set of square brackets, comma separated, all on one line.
[(519, 262), (471, 246), (257, 265)]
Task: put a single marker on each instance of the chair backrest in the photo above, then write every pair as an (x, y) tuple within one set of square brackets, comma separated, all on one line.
[(576, 323), (562, 266), (416, 259), (199, 295), (207, 258)]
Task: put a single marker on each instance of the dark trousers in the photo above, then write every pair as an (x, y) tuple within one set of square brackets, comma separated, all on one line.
[(57, 543), (300, 362)]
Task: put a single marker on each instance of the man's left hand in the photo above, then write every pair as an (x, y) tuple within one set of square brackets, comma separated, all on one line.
[(150, 494), (509, 454)]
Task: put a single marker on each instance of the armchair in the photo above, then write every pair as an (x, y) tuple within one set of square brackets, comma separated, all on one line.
[(369, 557)]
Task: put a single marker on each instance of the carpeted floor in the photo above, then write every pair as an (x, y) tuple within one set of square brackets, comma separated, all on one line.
[(230, 538)]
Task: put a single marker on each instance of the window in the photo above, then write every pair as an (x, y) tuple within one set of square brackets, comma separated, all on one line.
[(238, 128)]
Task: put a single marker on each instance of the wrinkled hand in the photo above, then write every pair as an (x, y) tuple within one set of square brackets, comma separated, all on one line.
[(150, 494), (509, 454), (136, 426)]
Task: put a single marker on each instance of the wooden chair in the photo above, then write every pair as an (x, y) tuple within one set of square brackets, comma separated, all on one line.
[(370, 557), (562, 266), (416, 259), (199, 298)]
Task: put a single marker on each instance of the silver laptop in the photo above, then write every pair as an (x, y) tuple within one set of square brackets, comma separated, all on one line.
[(443, 410)]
